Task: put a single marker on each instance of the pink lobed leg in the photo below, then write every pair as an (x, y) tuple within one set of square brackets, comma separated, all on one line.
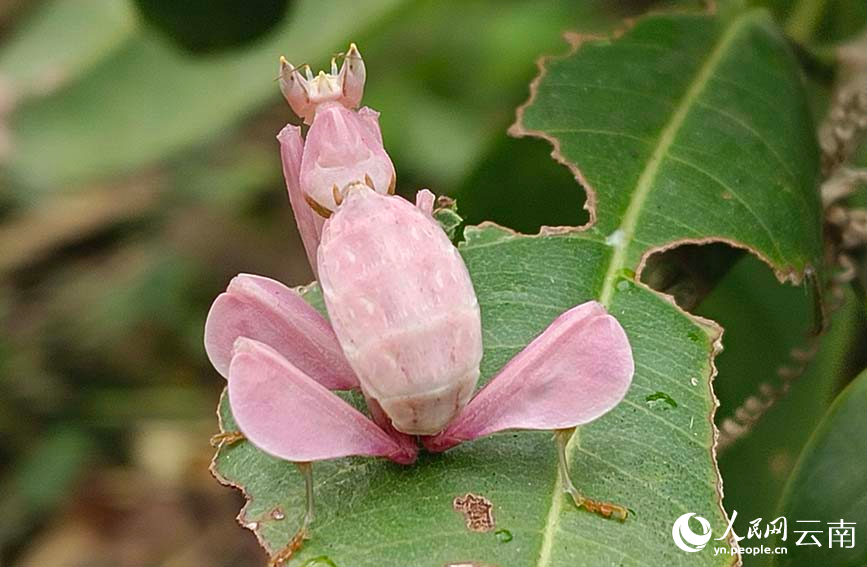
[(578, 369), (288, 414), (265, 310)]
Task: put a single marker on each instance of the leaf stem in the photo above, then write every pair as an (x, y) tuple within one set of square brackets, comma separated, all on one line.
[(802, 23)]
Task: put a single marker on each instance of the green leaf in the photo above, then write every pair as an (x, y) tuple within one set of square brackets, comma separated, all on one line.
[(653, 459), (630, 113), (829, 484), (690, 130), (446, 214)]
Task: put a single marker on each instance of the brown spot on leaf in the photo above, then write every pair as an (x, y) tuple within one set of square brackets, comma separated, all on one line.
[(478, 512)]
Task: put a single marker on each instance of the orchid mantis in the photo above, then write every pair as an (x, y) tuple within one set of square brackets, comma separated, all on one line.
[(405, 326)]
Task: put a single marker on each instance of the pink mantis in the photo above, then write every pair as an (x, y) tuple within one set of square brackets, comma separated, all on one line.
[(405, 326)]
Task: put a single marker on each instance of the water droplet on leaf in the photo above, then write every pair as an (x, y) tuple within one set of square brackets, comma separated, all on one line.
[(277, 514), (505, 536), (616, 238), (622, 285)]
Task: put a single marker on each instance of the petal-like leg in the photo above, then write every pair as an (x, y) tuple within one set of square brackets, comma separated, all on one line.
[(309, 222), (578, 369), (424, 200), (286, 413), (267, 311), (604, 509)]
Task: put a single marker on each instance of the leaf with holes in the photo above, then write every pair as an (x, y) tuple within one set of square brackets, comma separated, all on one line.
[(686, 128)]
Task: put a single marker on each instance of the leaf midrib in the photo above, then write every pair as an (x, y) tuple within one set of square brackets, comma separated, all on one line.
[(643, 187), (648, 176)]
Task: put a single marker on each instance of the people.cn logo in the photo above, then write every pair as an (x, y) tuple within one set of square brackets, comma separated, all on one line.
[(685, 538)]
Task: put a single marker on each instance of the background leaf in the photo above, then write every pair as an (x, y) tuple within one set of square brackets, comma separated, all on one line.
[(42, 479), (143, 102), (763, 322), (665, 135), (829, 483), (208, 25), (88, 30)]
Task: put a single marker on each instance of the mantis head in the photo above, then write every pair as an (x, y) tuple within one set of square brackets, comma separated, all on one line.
[(305, 92)]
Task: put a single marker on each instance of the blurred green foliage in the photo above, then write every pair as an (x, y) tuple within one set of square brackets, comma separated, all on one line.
[(830, 480), (139, 172), (147, 100)]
